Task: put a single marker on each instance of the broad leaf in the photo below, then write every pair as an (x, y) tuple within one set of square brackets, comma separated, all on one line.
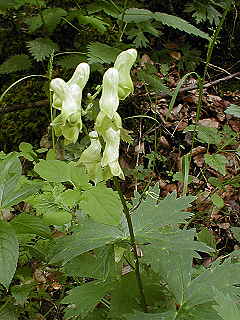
[(8, 253), (60, 171), (100, 265), (83, 299), (223, 278), (170, 315), (88, 236), (150, 216), (25, 223), (125, 296), (234, 110), (227, 308), (12, 189), (217, 162), (170, 255), (102, 204)]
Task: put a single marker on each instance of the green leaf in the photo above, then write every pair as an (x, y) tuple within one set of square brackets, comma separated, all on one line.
[(234, 110), (180, 24), (207, 237), (60, 171), (102, 204), (24, 223), (100, 265), (137, 15), (170, 315), (227, 308), (8, 313), (21, 292), (83, 299), (208, 135), (125, 296), (236, 233), (8, 253), (52, 17), (102, 53), (12, 191), (41, 48), (16, 63), (217, 201), (88, 236), (150, 216), (223, 277), (217, 162), (53, 170), (170, 255), (95, 22), (71, 61)]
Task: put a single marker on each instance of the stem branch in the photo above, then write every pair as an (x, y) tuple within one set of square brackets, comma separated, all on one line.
[(133, 243)]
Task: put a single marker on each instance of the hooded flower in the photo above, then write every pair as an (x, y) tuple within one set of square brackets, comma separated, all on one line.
[(109, 99), (67, 98), (91, 157), (123, 64)]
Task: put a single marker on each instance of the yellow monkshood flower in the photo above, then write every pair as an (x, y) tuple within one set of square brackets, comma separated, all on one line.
[(123, 64), (109, 100), (67, 97), (91, 157), (111, 152)]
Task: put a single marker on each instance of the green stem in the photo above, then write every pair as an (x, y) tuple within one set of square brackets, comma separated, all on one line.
[(133, 243)]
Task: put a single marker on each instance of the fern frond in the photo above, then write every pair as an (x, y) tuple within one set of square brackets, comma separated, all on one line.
[(41, 48), (180, 24), (101, 53), (137, 15), (16, 63)]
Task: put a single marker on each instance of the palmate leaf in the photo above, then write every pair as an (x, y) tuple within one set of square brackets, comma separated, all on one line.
[(102, 53), (8, 253), (83, 299), (102, 204), (16, 63), (89, 235), (170, 255), (150, 216), (180, 24), (8, 312), (41, 48)]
